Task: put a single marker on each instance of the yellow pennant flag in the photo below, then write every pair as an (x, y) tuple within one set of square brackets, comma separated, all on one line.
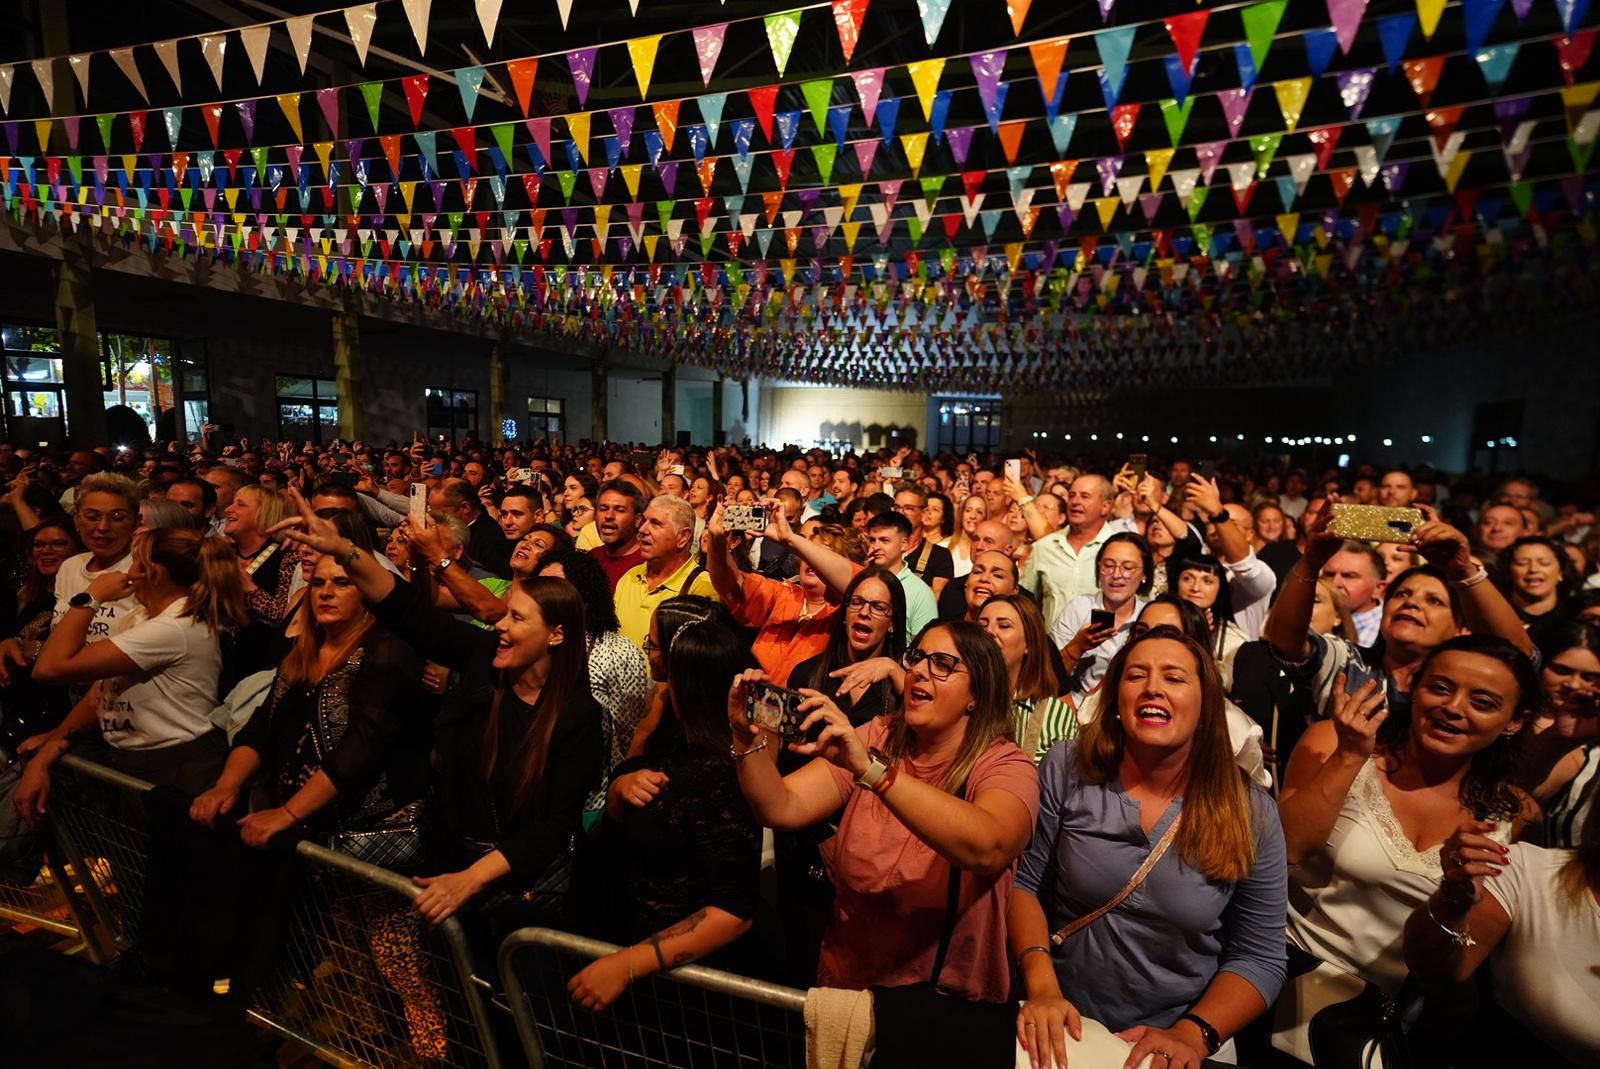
[(851, 232), (650, 243), (324, 150), (925, 76), (42, 128), (1575, 99), (231, 195), (1457, 166), (407, 191), (1107, 207), (602, 219), (129, 165), (642, 50), (848, 195), (290, 103), (1428, 12), (916, 146), (1292, 99), (578, 128), (1014, 255), (1157, 160), (630, 178), (1288, 224)]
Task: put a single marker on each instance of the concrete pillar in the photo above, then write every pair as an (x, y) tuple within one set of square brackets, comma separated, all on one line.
[(718, 435), (599, 400), (82, 364), (347, 364), (499, 391), (669, 404)]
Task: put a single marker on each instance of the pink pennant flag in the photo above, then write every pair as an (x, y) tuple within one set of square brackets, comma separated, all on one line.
[(708, 46), (539, 130), (1346, 17), (582, 64), (865, 152), (1209, 154), (328, 101), (1235, 103), (1105, 9), (869, 84)]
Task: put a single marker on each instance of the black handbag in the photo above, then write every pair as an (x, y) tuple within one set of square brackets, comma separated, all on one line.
[(918, 1025), (393, 842)]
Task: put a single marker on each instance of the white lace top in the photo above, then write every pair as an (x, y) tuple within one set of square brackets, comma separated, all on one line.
[(1348, 903)]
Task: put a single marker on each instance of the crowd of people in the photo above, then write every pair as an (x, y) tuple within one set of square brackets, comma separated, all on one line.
[(1146, 748)]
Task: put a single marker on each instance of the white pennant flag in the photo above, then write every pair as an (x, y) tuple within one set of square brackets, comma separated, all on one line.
[(1301, 167), (1128, 188), (123, 58), (80, 67), (255, 40), (564, 9), (167, 53), (1077, 193), (47, 80), (1587, 128), (1241, 175), (8, 78), (1021, 202), (791, 219), (747, 223), (970, 206), (489, 17), (300, 37), (1452, 145), (923, 209), (360, 21), (1367, 161), (212, 47), (417, 15), (1183, 183)]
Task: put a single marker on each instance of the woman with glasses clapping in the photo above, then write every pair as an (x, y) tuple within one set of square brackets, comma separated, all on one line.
[(934, 804)]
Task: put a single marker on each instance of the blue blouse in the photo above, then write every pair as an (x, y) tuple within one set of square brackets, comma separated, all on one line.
[(1151, 959)]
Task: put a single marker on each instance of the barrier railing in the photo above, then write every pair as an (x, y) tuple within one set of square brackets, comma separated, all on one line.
[(359, 977), (690, 1018), (47, 901)]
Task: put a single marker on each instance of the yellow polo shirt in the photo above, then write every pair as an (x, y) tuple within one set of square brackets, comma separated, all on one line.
[(636, 602)]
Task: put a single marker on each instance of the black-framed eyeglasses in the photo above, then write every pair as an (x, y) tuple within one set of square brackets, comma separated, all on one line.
[(941, 666), (879, 609)]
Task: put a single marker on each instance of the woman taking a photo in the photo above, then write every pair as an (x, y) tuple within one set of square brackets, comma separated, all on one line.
[(934, 796), (519, 744), (1147, 813), (1125, 569), (1039, 716), (158, 678), (1372, 793), (1561, 758)]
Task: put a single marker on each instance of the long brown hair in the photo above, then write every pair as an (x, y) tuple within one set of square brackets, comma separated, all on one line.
[(33, 583), (990, 719), (301, 663), (1037, 677), (560, 606), (207, 569), (1217, 835)]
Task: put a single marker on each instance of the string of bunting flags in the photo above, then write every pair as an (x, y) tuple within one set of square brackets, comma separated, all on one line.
[(882, 235)]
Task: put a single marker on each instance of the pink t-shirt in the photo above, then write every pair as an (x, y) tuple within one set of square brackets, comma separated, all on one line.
[(891, 888)]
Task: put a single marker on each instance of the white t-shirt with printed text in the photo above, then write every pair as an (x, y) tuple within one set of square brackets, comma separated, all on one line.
[(169, 700), (74, 578)]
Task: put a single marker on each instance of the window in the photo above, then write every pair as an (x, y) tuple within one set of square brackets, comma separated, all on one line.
[(451, 413), (137, 374), (308, 409), (194, 388), (547, 418), (969, 426), (35, 403)]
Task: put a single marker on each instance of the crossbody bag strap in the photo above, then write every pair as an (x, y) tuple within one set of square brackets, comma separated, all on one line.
[(922, 558), (1128, 888), (952, 908)]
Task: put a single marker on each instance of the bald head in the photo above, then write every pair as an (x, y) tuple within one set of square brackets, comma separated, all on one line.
[(1241, 518), (994, 535)]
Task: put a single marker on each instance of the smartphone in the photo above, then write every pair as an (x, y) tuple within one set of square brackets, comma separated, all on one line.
[(1099, 618), (1374, 523), (678, 470), (419, 504), (1138, 463), (891, 472), (1207, 469), (642, 460), (744, 517), (775, 708), (1014, 470), (343, 478), (519, 475)]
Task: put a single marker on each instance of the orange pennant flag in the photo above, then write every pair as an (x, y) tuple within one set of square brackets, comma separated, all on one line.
[(1048, 57), (1011, 138), (522, 72), (1018, 10), (667, 120)]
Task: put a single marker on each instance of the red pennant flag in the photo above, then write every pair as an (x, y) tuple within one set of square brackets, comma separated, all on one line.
[(1123, 118), (1343, 179), (522, 72), (1186, 31), (1423, 74), (783, 160), (136, 120), (972, 181), (530, 185), (1241, 197), (213, 117), (1573, 53), (1467, 202), (232, 156), (1325, 139), (763, 101), (952, 224), (1443, 122), (467, 138), (416, 87), (847, 16), (702, 210)]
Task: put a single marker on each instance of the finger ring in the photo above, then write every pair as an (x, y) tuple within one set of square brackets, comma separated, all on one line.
[(1165, 1054)]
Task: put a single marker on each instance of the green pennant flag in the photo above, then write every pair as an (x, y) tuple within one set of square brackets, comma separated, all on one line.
[(707, 239), (455, 219), (1581, 154), (1265, 148), (372, 93), (825, 154), (568, 180), (521, 248), (1260, 23), (502, 137), (1202, 236), (818, 93), (664, 211), (947, 257), (104, 122), (259, 154), (185, 194), (1176, 116), (1197, 200), (75, 165), (931, 187), (1522, 195), (914, 224)]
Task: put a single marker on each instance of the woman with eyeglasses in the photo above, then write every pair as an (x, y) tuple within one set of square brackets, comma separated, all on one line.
[(1148, 798), (1087, 639), (932, 801), (1039, 716), (27, 708)]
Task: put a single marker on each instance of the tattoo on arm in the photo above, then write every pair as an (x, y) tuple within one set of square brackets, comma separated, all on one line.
[(683, 927)]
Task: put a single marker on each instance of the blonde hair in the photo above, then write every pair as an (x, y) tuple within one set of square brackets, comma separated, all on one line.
[(272, 508), (1346, 628), (959, 539), (845, 541), (1217, 834)]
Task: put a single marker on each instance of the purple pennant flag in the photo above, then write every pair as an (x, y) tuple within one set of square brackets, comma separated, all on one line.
[(1353, 88), (247, 117), (1047, 253), (11, 137), (1521, 7), (808, 201), (569, 221), (987, 68), (1245, 231), (1150, 204), (1209, 153), (624, 245), (819, 237), (1235, 103), (437, 189), (1509, 112), (582, 64), (352, 150), (1572, 186), (1394, 174), (1109, 167), (622, 123), (1105, 9), (669, 177), (1346, 18), (960, 143)]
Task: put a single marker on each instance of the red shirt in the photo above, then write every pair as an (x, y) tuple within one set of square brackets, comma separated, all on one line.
[(616, 567)]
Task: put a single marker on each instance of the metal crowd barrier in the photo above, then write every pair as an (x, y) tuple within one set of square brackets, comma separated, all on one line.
[(47, 902), (360, 978), (690, 1018)]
